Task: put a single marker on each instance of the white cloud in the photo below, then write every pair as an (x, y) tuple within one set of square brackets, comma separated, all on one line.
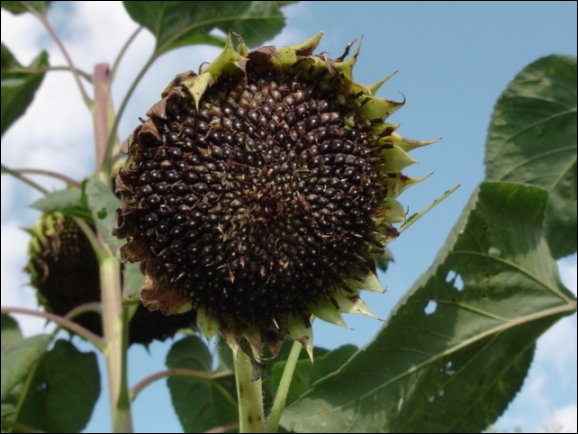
[(562, 420), (21, 33), (567, 269), (557, 348), (58, 124)]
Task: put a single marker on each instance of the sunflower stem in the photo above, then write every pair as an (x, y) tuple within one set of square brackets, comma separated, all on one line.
[(18, 175), (75, 72), (83, 74), (176, 372), (110, 144), (49, 173), (61, 321), (283, 390), (103, 115), (249, 394), (123, 50), (114, 315), (116, 336)]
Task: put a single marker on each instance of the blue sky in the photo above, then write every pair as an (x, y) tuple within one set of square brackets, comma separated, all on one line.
[(454, 60)]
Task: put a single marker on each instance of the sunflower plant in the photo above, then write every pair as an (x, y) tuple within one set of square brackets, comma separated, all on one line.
[(258, 196)]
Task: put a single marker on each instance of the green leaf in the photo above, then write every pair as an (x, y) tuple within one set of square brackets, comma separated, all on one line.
[(199, 404), (63, 391), (307, 373), (103, 205), (457, 347), (532, 140), (179, 23), (19, 84), (11, 334), (18, 354), (18, 8), (19, 359), (70, 202)]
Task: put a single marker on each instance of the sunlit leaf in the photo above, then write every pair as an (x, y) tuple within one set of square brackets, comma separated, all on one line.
[(71, 202), (532, 140), (178, 23), (103, 205)]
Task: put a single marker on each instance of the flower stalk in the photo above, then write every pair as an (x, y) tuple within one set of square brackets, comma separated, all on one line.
[(283, 389), (249, 394), (116, 336), (114, 316)]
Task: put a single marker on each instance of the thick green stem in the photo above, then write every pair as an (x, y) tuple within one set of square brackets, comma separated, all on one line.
[(249, 395), (283, 390), (114, 316), (116, 337)]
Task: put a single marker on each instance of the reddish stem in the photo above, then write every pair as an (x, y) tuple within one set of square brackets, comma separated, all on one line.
[(102, 103), (97, 341)]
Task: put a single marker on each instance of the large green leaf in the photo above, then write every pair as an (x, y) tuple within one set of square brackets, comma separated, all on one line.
[(178, 23), (457, 347), (19, 84), (103, 205), (18, 354), (199, 404), (71, 202), (532, 140), (21, 7), (63, 390)]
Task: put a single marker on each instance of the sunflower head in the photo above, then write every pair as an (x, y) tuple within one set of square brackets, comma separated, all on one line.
[(65, 272), (64, 269), (260, 192)]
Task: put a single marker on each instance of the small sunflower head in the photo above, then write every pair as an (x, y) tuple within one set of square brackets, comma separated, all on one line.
[(260, 191), (64, 269)]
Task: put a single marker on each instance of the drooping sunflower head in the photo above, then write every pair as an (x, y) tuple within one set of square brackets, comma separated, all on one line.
[(260, 191), (64, 270)]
